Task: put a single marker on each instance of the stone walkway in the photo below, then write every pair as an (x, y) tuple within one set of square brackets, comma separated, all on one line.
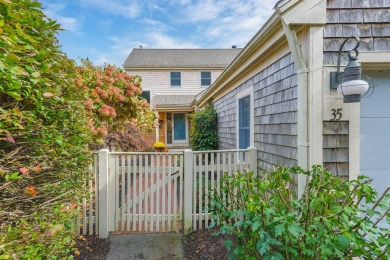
[(146, 246)]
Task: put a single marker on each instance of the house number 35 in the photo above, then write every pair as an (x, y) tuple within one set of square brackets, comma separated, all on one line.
[(336, 113)]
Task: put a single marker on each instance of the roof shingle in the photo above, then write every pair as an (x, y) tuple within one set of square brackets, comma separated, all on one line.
[(173, 100), (180, 58)]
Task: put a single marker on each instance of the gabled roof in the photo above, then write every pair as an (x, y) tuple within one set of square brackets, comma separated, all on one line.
[(180, 58)]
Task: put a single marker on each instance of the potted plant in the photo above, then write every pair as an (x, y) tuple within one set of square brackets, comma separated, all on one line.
[(159, 146)]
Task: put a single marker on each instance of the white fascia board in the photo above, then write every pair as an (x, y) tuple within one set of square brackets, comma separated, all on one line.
[(304, 12)]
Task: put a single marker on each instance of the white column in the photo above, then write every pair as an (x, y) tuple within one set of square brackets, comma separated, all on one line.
[(103, 193), (188, 186)]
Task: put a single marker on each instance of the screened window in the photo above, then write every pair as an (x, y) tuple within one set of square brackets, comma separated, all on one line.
[(205, 78), (175, 79)]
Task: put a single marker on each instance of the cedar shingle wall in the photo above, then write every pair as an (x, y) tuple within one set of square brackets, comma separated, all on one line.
[(368, 19), (275, 112), (336, 147)]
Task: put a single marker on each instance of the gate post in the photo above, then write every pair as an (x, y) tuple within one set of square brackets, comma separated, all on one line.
[(103, 193), (253, 160), (188, 186)]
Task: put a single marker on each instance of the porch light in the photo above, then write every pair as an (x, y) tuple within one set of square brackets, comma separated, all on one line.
[(350, 83)]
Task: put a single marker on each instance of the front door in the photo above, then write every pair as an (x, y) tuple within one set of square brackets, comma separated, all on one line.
[(176, 128), (179, 128)]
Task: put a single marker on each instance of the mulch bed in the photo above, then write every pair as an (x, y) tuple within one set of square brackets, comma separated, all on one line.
[(201, 244), (91, 247)]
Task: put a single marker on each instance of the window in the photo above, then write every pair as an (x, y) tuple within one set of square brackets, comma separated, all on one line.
[(205, 78), (245, 120), (175, 79), (146, 95)]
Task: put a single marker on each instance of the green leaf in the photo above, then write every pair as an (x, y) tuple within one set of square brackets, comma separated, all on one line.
[(15, 95), (5, 256), (15, 176), (17, 70), (279, 230), (262, 247), (256, 225), (294, 229), (343, 241), (11, 58), (228, 244), (36, 74)]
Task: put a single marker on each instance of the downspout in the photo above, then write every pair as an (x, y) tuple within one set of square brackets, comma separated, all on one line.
[(302, 81)]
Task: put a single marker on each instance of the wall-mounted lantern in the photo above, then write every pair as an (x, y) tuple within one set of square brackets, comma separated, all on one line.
[(349, 83)]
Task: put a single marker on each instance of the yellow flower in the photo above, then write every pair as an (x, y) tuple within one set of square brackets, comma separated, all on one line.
[(159, 145)]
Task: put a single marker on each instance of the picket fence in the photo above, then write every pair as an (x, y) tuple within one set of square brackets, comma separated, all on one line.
[(155, 192)]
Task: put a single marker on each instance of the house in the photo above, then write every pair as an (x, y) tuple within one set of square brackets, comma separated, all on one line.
[(170, 80), (276, 94)]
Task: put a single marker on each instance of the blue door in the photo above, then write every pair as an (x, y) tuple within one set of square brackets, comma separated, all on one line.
[(244, 122), (179, 128)]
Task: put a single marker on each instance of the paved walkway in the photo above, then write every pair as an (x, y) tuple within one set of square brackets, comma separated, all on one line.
[(146, 246)]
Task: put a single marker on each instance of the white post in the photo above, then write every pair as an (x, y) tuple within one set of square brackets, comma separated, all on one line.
[(188, 186), (103, 193), (253, 160)]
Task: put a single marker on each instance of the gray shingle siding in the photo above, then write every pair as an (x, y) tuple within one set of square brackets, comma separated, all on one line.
[(368, 19), (336, 147), (275, 115)]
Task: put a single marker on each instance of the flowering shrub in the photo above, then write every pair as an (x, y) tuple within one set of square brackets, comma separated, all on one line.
[(112, 100), (44, 136), (159, 145)]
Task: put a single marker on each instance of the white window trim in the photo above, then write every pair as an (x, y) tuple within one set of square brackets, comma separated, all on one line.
[(211, 78), (242, 94)]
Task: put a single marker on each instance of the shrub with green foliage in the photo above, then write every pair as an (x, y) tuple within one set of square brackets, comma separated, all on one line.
[(204, 129), (334, 219), (44, 136)]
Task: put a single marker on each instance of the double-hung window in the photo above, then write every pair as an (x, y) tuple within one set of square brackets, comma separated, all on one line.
[(175, 79), (205, 78)]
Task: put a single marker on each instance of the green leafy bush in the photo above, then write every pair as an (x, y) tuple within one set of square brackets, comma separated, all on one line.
[(204, 129), (44, 136), (334, 219)]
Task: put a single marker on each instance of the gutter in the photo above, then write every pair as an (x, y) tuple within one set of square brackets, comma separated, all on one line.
[(303, 118)]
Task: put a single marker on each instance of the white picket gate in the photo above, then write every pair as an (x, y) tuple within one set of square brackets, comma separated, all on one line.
[(156, 192)]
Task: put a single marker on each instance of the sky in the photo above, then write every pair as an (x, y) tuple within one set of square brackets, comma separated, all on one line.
[(105, 31)]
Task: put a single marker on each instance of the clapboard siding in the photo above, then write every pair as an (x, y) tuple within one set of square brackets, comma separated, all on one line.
[(275, 115), (368, 19), (336, 147), (159, 83)]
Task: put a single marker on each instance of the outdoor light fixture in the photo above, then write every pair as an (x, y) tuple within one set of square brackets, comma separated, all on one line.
[(349, 83)]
